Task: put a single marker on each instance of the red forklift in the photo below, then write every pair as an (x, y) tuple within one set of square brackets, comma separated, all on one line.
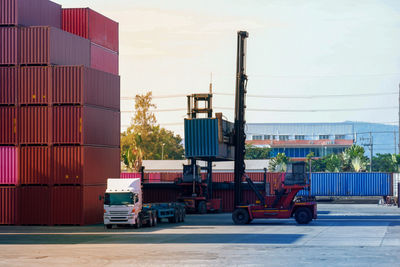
[(284, 203)]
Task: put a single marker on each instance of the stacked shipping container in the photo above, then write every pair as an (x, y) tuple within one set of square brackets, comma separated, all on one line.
[(59, 114)]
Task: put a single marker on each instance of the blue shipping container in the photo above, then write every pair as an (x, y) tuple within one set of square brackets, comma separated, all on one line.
[(350, 184)]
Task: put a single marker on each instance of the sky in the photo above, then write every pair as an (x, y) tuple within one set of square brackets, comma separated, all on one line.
[(296, 48)]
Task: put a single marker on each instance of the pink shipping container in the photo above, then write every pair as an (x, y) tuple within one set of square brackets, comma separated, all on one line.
[(77, 205), (91, 25), (35, 205), (9, 205), (8, 85), (8, 126), (9, 45), (52, 46), (30, 12), (35, 124), (34, 165), (103, 59), (8, 165), (34, 84), (81, 85), (84, 165), (86, 126), (128, 175)]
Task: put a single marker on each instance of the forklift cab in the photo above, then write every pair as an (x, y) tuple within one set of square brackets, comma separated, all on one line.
[(296, 174)]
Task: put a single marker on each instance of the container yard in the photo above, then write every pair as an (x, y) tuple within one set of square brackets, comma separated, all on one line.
[(144, 169)]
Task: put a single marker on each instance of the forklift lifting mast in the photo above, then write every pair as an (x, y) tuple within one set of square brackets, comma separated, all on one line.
[(283, 204)]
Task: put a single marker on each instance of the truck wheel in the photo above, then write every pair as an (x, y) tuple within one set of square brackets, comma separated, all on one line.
[(109, 226), (150, 221), (174, 218), (138, 222), (303, 215), (154, 220), (240, 216), (202, 207), (183, 214)]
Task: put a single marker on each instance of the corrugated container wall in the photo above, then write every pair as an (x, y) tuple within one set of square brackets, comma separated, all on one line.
[(85, 125), (84, 165), (201, 138), (396, 180), (9, 205), (9, 45), (91, 25), (81, 85), (35, 205), (8, 126), (8, 85), (34, 85), (9, 165), (35, 124), (104, 59), (30, 13), (47, 46), (34, 165)]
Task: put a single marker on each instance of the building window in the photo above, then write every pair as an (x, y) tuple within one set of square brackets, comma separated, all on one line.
[(299, 137), (323, 137), (283, 137), (257, 137), (267, 137), (339, 136)]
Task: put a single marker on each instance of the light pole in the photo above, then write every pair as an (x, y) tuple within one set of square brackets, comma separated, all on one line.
[(162, 151)]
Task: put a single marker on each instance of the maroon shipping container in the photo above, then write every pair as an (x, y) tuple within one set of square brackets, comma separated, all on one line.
[(227, 199), (9, 205), (84, 165), (34, 165), (86, 125), (35, 205), (103, 59), (77, 205), (52, 46), (157, 195), (34, 84), (85, 86), (30, 13), (9, 45), (35, 124), (8, 126), (170, 176), (8, 85), (91, 25)]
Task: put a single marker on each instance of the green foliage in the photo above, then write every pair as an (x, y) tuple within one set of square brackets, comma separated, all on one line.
[(253, 152), (385, 163), (145, 140), (279, 163)]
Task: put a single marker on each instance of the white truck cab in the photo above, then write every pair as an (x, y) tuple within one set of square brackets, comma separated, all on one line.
[(122, 202)]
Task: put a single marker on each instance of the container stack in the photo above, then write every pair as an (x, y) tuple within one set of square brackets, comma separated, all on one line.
[(59, 113)]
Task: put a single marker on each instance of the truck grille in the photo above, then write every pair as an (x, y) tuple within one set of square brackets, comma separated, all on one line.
[(119, 213), (118, 219)]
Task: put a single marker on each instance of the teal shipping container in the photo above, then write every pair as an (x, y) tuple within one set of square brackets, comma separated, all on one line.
[(209, 139)]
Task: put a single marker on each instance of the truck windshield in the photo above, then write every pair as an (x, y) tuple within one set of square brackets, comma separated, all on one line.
[(119, 198)]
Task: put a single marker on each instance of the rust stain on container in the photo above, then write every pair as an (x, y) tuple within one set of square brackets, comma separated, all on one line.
[(35, 207), (8, 85), (91, 25), (34, 165), (9, 205), (8, 125), (84, 165), (35, 124), (103, 59), (34, 85), (46, 46), (9, 45)]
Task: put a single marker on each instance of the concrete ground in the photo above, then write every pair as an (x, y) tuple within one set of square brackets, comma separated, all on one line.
[(343, 235)]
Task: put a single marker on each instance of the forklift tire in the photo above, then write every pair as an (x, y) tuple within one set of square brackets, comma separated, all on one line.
[(303, 215), (241, 216), (202, 207), (109, 226)]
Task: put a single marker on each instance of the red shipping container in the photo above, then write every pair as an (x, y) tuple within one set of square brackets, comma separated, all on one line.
[(227, 199), (103, 59), (91, 25), (34, 84), (86, 125), (159, 195), (8, 85), (77, 205), (35, 125), (84, 165), (9, 205), (52, 46), (9, 45), (35, 205), (81, 85), (8, 165), (30, 12), (34, 165), (8, 126)]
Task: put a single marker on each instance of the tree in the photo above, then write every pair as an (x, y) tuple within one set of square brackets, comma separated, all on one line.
[(145, 139), (353, 159), (279, 163), (253, 152), (385, 163)]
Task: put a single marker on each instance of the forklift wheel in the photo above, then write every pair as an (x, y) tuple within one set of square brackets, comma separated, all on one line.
[(303, 215), (240, 216), (202, 207)]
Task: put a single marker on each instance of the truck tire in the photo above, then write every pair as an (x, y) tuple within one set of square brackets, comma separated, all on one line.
[(150, 221), (174, 218), (183, 214), (202, 207), (155, 220), (303, 215), (109, 226), (241, 216), (139, 222)]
